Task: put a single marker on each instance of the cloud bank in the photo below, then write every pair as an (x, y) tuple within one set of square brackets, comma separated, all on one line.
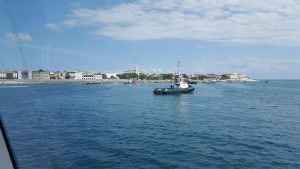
[(17, 37), (231, 21)]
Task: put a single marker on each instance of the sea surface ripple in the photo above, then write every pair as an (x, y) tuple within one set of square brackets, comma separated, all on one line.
[(75, 126)]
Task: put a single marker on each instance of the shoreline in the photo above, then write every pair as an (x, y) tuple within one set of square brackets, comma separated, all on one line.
[(103, 81), (72, 81)]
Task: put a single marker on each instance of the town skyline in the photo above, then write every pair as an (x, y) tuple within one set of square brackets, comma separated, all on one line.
[(77, 76), (115, 35)]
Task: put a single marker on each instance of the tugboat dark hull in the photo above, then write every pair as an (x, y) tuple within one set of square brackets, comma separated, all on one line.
[(166, 91)]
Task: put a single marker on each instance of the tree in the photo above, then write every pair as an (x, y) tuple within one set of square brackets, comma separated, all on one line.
[(128, 76), (104, 76), (143, 76), (168, 76), (113, 77)]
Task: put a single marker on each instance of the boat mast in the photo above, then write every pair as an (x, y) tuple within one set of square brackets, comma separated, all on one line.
[(177, 76), (178, 68)]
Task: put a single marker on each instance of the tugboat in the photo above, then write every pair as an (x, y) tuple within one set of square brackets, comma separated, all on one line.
[(180, 86)]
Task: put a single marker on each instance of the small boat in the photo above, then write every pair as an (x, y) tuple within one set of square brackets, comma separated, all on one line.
[(209, 81), (131, 82), (180, 86), (128, 82), (191, 82), (92, 83)]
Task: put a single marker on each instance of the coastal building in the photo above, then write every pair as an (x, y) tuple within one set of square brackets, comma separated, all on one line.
[(78, 75), (198, 76), (62, 75), (84, 76), (9, 75), (98, 76), (88, 76), (211, 76), (2, 75), (238, 77), (53, 75), (112, 75), (58, 75), (25, 74), (40, 75), (70, 75)]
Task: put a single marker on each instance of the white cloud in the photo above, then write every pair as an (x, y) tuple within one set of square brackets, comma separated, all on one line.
[(233, 21), (17, 37), (52, 26)]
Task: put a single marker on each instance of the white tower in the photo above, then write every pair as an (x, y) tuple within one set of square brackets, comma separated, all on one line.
[(137, 70)]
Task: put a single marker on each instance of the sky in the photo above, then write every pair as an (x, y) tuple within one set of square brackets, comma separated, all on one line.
[(258, 38)]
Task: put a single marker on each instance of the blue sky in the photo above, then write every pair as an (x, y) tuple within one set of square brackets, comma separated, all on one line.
[(259, 38)]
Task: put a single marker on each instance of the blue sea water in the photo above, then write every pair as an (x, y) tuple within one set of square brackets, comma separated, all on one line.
[(75, 126)]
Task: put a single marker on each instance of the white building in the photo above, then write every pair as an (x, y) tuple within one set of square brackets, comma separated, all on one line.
[(14, 75), (88, 76), (238, 76), (25, 74), (9, 75), (78, 75), (30, 75), (98, 76), (84, 76), (111, 75), (2, 75), (40, 75), (20, 75)]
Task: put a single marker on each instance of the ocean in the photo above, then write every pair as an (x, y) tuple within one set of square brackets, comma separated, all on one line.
[(223, 125)]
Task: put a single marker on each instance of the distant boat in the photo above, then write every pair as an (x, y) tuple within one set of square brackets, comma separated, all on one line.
[(128, 82), (209, 81), (131, 82), (192, 82), (92, 83)]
